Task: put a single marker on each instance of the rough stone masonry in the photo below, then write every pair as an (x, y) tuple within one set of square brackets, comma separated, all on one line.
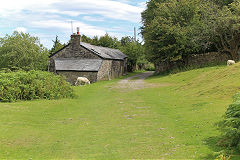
[(79, 59)]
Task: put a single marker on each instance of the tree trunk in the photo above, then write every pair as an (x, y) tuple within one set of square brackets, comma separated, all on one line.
[(185, 59), (234, 54)]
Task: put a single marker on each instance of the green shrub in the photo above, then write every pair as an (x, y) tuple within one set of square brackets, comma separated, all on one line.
[(149, 67), (22, 85), (230, 125)]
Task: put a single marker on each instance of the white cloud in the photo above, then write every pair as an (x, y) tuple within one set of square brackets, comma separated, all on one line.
[(106, 8), (92, 19), (12, 7), (65, 26), (124, 1), (52, 16), (21, 29), (142, 5)]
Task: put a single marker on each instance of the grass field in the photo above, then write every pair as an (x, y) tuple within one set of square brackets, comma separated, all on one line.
[(173, 119)]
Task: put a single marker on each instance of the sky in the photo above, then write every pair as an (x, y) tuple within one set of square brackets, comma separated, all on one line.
[(48, 18)]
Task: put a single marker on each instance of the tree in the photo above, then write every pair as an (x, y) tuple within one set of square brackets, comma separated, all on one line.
[(223, 2), (134, 51), (86, 39), (57, 45), (22, 51), (95, 40), (104, 41), (170, 33), (149, 14), (174, 29), (227, 29), (108, 41)]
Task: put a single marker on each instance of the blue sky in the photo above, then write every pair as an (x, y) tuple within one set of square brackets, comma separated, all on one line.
[(48, 18)]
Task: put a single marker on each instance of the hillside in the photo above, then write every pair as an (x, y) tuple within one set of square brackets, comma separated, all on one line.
[(218, 82), (172, 116)]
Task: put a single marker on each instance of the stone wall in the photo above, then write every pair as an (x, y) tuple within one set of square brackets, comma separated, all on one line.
[(117, 69), (105, 70), (195, 61), (125, 66), (51, 65), (111, 69), (71, 76), (74, 50), (71, 52), (77, 52)]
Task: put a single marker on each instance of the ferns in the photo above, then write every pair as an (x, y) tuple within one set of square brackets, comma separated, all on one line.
[(230, 126), (30, 85)]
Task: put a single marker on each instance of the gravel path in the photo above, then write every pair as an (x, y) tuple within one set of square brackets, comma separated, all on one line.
[(136, 81)]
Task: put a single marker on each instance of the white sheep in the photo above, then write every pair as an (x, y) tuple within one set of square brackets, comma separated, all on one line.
[(230, 62), (81, 80)]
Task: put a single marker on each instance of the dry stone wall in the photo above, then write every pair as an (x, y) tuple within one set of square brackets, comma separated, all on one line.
[(71, 76), (117, 69), (195, 61), (111, 69), (105, 70)]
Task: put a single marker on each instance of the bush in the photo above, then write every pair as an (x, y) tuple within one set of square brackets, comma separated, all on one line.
[(22, 85), (149, 67), (230, 126)]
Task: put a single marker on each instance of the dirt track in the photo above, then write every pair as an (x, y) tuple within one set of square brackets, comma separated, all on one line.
[(135, 82)]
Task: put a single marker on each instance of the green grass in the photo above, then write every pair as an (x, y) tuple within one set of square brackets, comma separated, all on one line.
[(174, 121)]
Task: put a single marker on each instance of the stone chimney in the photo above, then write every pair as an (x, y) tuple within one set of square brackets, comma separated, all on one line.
[(75, 40)]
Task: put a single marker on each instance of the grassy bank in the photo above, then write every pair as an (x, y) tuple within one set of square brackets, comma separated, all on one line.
[(175, 120)]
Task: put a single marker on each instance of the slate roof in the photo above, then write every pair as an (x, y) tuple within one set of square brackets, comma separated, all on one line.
[(104, 52), (67, 64)]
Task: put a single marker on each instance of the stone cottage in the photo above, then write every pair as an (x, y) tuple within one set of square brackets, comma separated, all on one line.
[(79, 59)]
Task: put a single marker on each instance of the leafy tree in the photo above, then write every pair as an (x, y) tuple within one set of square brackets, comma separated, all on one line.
[(223, 2), (108, 41), (149, 14), (95, 40), (86, 39), (104, 41), (126, 40), (20, 50), (174, 29), (171, 32), (227, 29), (57, 45), (135, 52)]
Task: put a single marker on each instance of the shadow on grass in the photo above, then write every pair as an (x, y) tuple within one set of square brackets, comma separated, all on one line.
[(165, 74), (217, 150), (212, 143)]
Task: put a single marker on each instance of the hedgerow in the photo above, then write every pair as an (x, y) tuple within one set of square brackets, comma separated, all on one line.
[(230, 125), (22, 85)]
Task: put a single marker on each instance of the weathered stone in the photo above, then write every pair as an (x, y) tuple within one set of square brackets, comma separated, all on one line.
[(71, 76), (194, 61), (109, 69)]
